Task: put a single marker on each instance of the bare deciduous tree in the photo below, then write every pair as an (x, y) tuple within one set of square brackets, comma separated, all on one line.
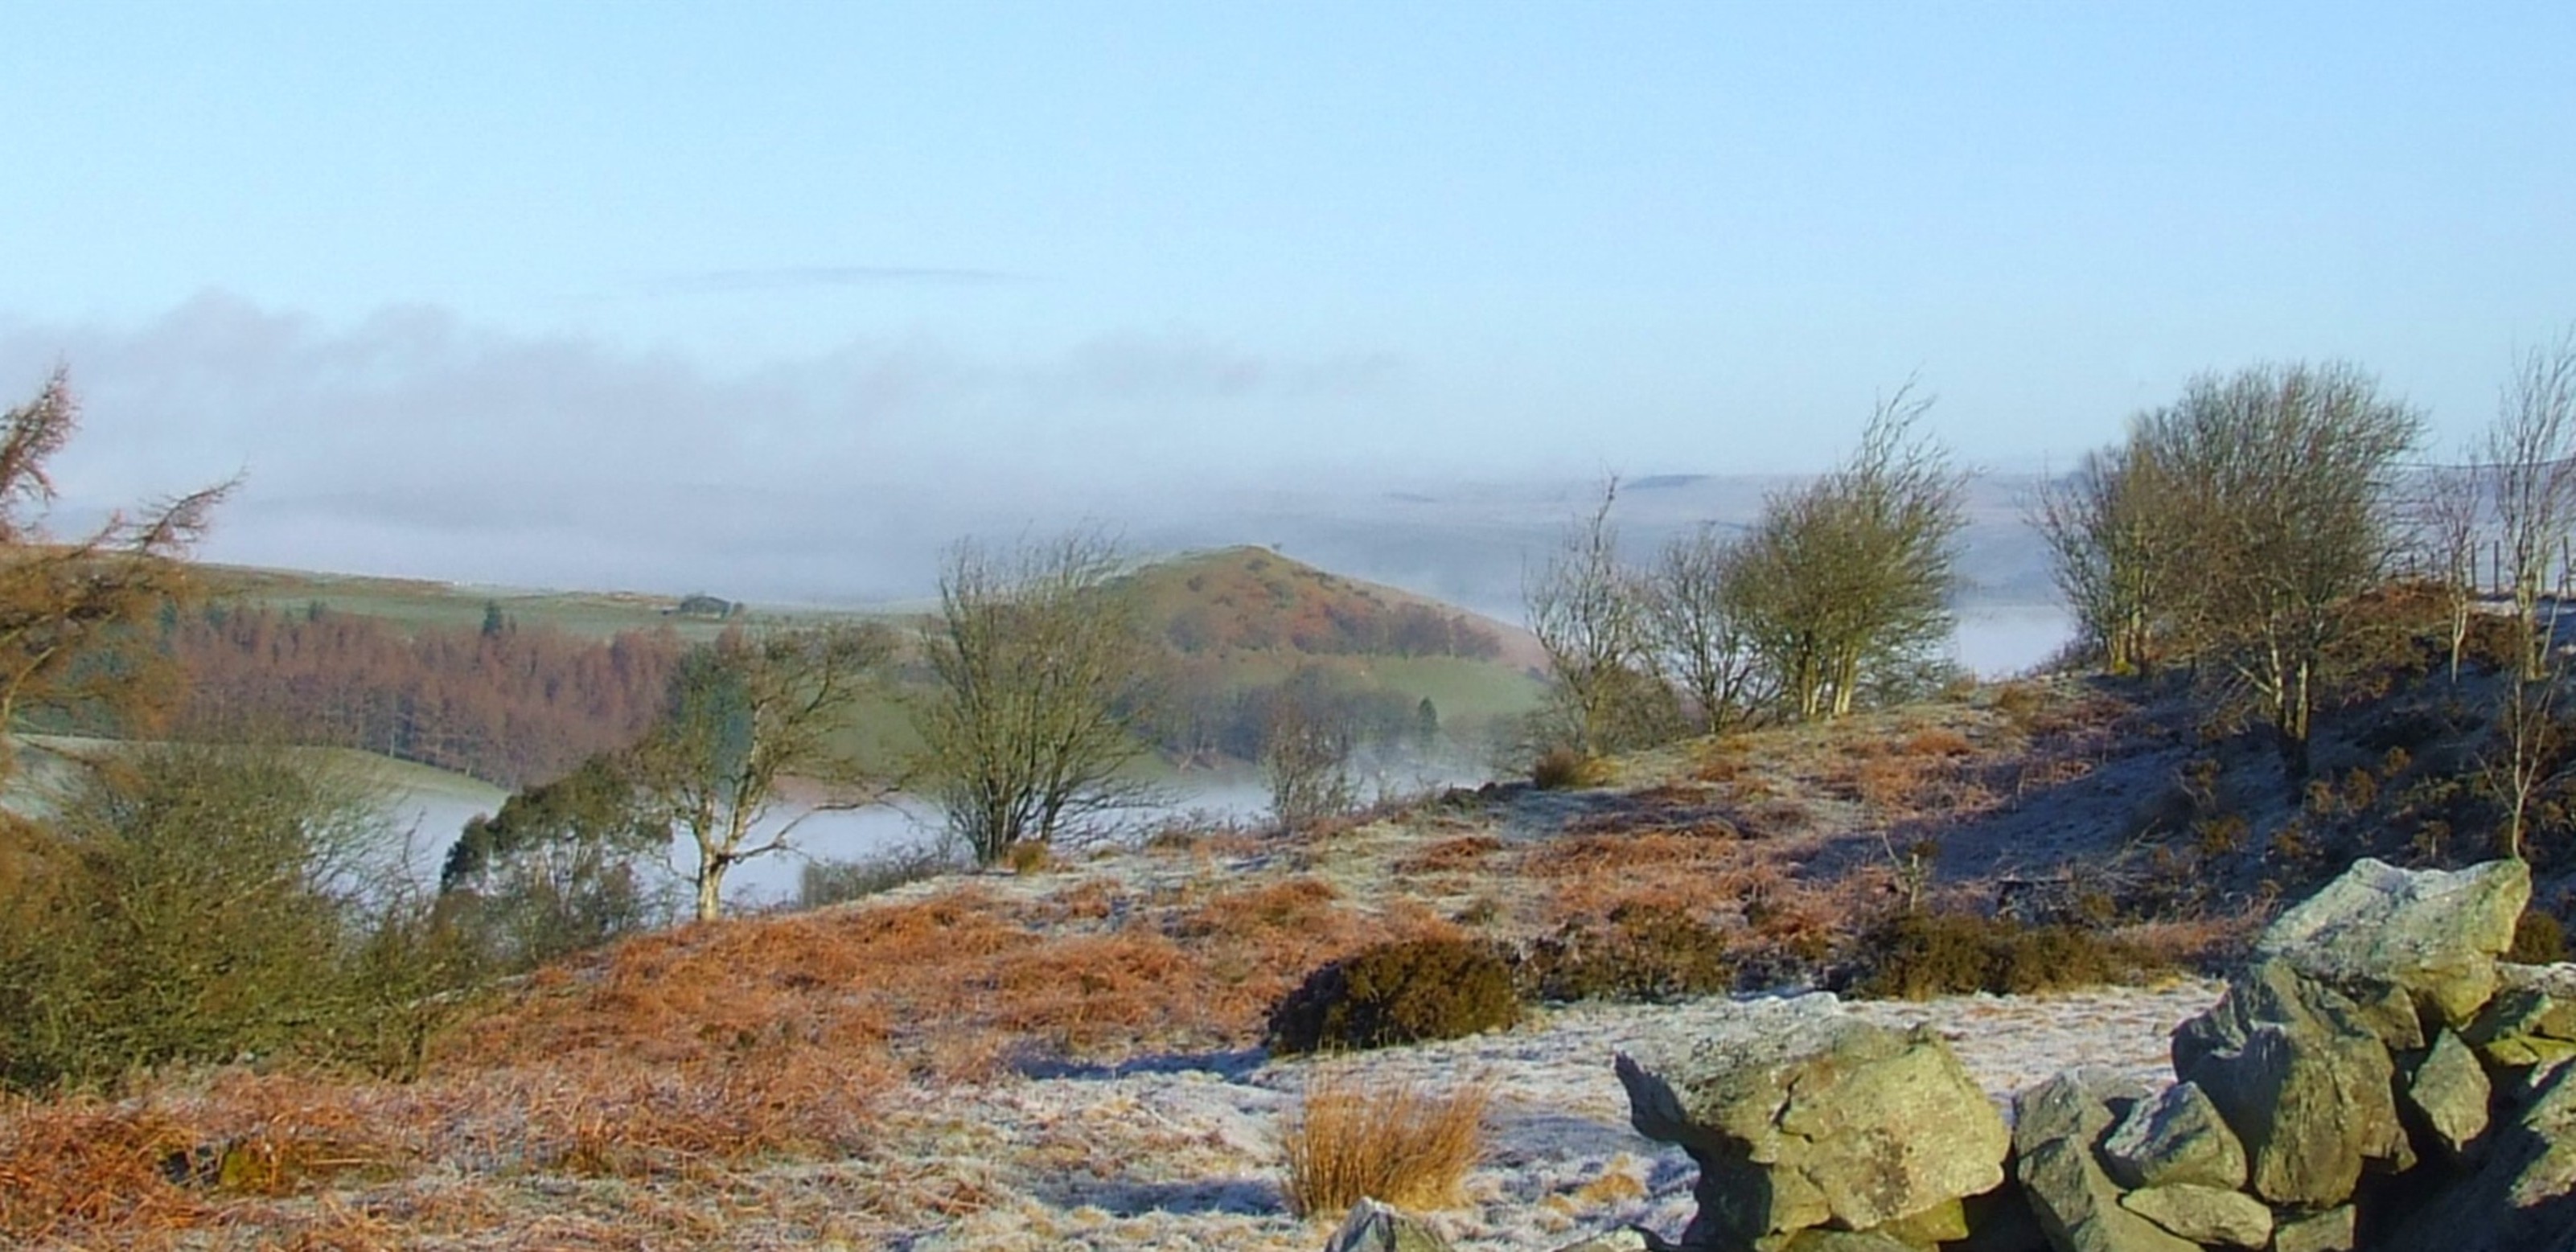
[(1306, 756), (2283, 473), (1699, 635), (1847, 580), (2531, 477), (2110, 544), (1043, 682), (1588, 610), (747, 714), (2442, 512)]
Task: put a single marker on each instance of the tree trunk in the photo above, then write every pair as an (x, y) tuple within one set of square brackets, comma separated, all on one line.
[(711, 874)]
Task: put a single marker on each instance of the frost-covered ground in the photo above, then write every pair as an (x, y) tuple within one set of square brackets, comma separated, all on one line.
[(1181, 1152)]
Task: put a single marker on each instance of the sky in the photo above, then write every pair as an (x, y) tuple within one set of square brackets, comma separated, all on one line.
[(645, 294)]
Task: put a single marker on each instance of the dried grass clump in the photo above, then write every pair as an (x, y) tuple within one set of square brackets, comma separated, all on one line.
[(1449, 856), (72, 1166), (1559, 768), (1406, 1146)]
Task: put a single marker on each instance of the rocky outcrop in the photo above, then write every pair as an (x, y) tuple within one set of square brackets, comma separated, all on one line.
[(1805, 1118)]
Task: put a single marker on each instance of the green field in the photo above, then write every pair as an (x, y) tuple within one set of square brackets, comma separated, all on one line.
[(421, 603)]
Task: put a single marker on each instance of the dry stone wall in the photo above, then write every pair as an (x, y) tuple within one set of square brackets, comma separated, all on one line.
[(2377, 1078)]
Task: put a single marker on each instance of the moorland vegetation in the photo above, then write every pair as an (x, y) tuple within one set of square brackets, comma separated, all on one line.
[(1751, 769)]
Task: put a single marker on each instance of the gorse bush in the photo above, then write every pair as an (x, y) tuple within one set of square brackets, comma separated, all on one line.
[(1917, 955), (1404, 1146), (1640, 951), (198, 904), (2538, 939), (1405, 991)]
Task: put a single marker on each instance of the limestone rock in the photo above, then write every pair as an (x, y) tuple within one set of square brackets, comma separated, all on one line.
[(2448, 1095), (2205, 1215), (2329, 1231), (2303, 1081), (1802, 1116), (2434, 934), (2055, 1127), (2177, 1137), (1374, 1227)]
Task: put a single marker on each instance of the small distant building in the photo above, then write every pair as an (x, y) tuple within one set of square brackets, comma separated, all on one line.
[(700, 604)]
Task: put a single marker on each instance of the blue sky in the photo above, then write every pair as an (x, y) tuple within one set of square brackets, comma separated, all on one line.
[(347, 247)]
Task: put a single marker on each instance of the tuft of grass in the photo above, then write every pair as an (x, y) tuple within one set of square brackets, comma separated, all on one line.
[(1559, 768), (1463, 852), (1406, 1146)]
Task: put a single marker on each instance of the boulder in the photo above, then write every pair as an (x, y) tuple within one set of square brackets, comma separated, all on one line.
[(1374, 1227), (2213, 1216), (1799, 1115), (2447, 1096), (2301, 1078), (2530, 1023), (2055, 1127), (2435, 935), (2175, 1138), (1821, 1240), (2521, 1195), (2327, 1231)]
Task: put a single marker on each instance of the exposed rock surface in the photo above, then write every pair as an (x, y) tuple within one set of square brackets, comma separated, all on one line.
[(1805, 1117), (2306, 1085), (2214, 1216), (2055, 1128), (2376, 1035), (2176, 1137), (2432, 934), (2448, 1096), (1374, 1227), (2327, 1231), (2523, 1196)]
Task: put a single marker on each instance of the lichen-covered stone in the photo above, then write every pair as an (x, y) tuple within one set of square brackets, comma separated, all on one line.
[(1801, 1116), (2523, 1193), (1819, 1240), (1374, 1227), (2175, 1137), (2055, 1127), (2434, 934), (2327, 1231), (2306, 1085), (2448, 1095), (2211, 1216)]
